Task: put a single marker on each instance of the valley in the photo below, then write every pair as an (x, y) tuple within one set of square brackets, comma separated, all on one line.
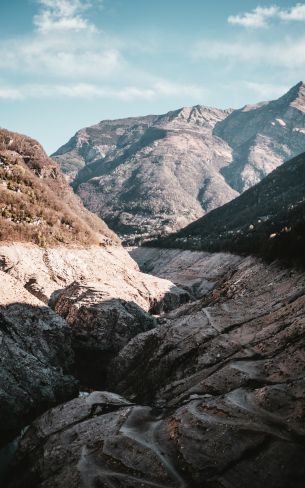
[(161, 366)]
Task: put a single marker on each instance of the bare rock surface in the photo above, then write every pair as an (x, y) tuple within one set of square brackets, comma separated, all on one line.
[(100, 292), (215, 397), (110, 270), (100, 328), (156, 174), (36, 358), (196, 272)]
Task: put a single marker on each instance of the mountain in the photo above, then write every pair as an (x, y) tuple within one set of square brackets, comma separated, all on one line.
[(156, 174), (36, 203), (262, 136), (267, 220), (151, 174)]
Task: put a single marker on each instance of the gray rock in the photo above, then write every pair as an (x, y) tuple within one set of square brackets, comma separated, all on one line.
[(224, 381), (36, 359), (100, 327)]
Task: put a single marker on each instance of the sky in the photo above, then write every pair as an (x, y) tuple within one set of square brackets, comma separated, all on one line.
[(67, 64)]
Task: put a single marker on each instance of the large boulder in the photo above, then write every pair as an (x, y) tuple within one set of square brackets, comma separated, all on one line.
[(245, 438), (101, 326), (36, 359)]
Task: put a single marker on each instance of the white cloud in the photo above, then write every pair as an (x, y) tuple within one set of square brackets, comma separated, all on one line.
[(286, 53), (58, 61), (57, 50), (256, 18), (260, 16), (10, 94), (44, 57), (62, 15), (296, 13)]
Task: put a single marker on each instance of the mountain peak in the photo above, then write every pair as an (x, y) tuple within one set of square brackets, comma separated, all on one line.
[(295, 97)]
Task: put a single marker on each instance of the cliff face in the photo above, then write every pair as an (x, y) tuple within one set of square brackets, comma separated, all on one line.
[(155, 174)]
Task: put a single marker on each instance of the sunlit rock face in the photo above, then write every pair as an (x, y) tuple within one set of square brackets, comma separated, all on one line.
[(156, 174)]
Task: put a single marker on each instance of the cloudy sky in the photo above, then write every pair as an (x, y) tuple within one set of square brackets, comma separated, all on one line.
[(66, 64)]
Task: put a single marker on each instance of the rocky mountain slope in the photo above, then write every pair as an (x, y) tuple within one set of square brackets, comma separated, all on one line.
[(36, 203), (152, 173), (155, 174), (267, 220)]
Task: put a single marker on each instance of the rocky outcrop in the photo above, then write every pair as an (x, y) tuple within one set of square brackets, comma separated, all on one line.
[(36, 359), (99, 291), (156, 174), (244, 319), (240, 440), (224, 380), (100, 328), (110, 270)]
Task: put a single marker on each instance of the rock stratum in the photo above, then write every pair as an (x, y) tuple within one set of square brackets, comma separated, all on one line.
[(214, 396), (156, 174)]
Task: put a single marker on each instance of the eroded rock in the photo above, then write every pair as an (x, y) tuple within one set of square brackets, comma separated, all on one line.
[(36, 359)]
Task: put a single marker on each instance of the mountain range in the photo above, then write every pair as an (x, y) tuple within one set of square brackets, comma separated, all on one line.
[(152, 175)]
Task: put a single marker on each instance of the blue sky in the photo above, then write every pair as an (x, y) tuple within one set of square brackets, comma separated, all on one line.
[(67, 64)]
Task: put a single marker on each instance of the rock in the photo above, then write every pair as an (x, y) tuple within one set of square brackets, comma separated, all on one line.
[(215, 397), (196, 272), (36, 359), (231, 337), (100, 327), (109, 269), (242, 439)]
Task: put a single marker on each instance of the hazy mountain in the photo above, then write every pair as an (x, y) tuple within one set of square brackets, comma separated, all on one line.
[(152, 173), (155, 174), (268, 219)]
